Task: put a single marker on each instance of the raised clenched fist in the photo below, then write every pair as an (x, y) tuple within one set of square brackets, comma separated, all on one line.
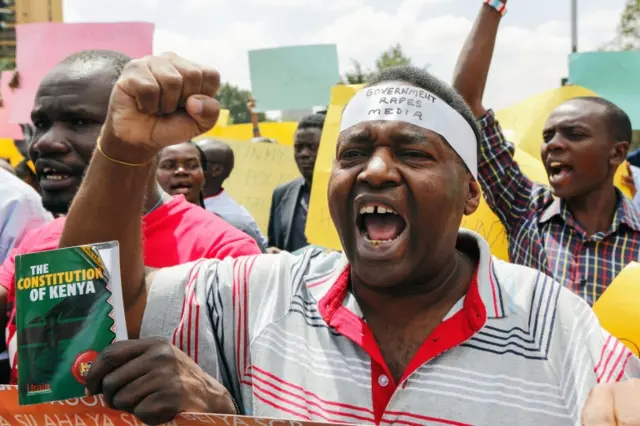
[(160, 101)]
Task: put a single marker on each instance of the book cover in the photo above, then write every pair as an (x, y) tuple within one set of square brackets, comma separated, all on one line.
[(68, 309)]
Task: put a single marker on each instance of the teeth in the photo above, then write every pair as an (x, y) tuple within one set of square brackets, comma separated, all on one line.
[(555, 164), (56, 177), (370, 209)]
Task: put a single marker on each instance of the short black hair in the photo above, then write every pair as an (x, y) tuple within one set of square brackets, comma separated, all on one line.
[(618, 121), (116, 60), (422, 79), (313, 121)]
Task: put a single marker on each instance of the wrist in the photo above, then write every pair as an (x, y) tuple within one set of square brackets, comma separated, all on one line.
[(499, 6), (124, 152)]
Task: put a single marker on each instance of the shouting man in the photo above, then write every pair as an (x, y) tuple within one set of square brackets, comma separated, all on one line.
[(416, 323), (582, 231)]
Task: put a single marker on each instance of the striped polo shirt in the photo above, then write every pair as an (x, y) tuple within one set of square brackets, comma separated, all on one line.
[(286, 337)]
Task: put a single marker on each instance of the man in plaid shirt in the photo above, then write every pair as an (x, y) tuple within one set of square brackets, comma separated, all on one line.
[(582, 231)]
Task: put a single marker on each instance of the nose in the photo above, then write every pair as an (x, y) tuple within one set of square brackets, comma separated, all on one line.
[(50, 143), (557, 143), (180, 170), (305, 153), (380, 171)]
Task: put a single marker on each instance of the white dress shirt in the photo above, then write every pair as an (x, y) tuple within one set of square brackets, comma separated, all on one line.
[(21, 210), (225, 206)]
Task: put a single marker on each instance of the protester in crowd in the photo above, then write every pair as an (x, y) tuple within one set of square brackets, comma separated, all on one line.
[(180, 171), (449, 335), (582, 231), (67, 127), (20, 211), (290, 201), (220, 163), (251, 105)]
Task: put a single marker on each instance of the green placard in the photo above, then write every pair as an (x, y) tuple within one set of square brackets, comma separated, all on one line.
[(613, 75), (68, 309), (294, 77)]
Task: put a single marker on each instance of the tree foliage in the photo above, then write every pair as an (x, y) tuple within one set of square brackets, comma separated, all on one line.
[(392, 57), (628, 37), (235, 100)]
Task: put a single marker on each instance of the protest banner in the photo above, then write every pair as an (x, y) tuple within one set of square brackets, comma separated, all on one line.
[(93, 411), (612, 75), (7, 129), (42, 46), (293, 77), (617, 308), (320, 229), (281, 132), (259, 169)]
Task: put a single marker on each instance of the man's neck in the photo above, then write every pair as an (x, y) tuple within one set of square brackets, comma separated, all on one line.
[(594, 212), (211, 189), (436, 294)]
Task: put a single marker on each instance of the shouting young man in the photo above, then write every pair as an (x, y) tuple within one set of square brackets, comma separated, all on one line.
[(416, 323), (582, 231)]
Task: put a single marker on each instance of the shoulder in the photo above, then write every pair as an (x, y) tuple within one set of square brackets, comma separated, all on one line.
[(13, 190), (45, 237), (288, 186)]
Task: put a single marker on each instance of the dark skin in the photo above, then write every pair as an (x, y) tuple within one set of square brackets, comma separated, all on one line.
[(180, 172), (219, 165), (405, 287), (306, 143), (577, 135), (577, 132), (69, 110)]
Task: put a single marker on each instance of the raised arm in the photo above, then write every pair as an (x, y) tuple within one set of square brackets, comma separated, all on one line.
[(506, 189), (158, 101)]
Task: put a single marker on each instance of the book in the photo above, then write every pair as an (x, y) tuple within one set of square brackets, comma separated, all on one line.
[(69, 308)]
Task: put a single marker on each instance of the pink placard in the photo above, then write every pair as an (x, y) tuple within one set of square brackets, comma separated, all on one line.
[(42, 46), (7, 130)]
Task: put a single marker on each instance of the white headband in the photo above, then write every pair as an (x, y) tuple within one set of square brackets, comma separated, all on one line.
[(399, 101)]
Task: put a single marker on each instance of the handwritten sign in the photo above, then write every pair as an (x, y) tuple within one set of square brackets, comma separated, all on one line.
[(617, 309), (281, 132), (259, 169), (93, 411)]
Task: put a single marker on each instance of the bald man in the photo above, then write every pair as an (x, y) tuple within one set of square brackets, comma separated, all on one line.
[(220, 163)]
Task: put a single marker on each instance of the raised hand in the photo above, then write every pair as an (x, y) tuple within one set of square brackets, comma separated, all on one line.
[(160, 101)]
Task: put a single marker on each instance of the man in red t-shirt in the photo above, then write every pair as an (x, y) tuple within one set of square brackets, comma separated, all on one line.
[(69, 110)]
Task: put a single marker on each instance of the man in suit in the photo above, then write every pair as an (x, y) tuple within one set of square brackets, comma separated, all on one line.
[(290, 202)]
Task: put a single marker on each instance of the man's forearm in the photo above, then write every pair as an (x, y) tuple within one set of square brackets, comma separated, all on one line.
[(109, 207), (472, 69)]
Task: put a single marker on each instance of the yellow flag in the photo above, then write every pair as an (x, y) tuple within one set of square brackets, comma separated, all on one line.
[(617, 309)]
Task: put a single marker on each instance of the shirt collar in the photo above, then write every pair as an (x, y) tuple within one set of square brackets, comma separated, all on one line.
[(626, 213), (331, 289)]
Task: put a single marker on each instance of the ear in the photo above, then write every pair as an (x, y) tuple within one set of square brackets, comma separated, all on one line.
[(618, 154), (216, 170), (473, 197)]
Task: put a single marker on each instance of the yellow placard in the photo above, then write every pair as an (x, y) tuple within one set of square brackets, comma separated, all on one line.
[(617, 309), (282, 132), (523, 124), (9, 151), (259, 169), (525, 121), (223, 118)]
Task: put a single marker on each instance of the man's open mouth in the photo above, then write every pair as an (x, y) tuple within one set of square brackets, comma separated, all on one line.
[(558, 171), (182, 186), (379, 224), (52, 174)]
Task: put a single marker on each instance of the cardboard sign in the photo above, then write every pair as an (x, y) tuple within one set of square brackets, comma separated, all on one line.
[(617, 308), (42, 46), (281, 132), (7, 129), (293, 77), (259, 169), (93, 411), (612, 75)]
